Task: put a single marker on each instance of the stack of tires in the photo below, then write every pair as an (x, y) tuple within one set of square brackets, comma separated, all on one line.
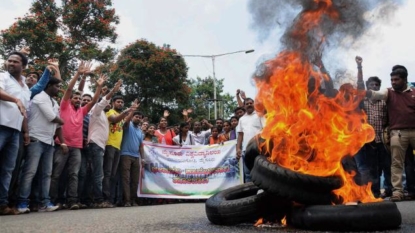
[(307, 201)]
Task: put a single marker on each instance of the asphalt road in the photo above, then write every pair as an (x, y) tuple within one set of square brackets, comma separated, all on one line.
[(189, 217)]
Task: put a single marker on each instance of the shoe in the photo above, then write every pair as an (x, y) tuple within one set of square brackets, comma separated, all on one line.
[(34, 207), (409, 196), (48, 208), (82, 206), (104, 204), (396, 198), (23, 208), (74, 206), (133, 203), (5, 210), (127, 204)]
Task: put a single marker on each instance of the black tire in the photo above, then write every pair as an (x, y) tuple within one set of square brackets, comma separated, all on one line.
[(362, 217), (302, 188), (253, 150), (242, 204)]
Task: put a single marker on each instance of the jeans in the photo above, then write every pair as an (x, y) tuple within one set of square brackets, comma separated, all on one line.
[(9, 147), (72, 160), (85, 177), (97, 156), (38, 152), (14, 182), (111, 160), (247, 172), (400, 140), (378, 160), (410, 170), (130, 171), (362, 176)]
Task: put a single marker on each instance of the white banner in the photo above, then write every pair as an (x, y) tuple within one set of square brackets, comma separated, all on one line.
[(189, 172)]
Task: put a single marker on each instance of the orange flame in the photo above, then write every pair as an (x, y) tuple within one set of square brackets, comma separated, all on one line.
[(311, 132), (259, 222), (284, 221)]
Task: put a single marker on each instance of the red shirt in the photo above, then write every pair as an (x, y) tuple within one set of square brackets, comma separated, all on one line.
[(168, 136), (74, 119)]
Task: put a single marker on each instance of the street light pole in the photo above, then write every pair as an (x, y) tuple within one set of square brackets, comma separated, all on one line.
[(213, 57)]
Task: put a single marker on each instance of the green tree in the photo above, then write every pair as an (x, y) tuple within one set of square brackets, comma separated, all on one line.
[(70, 32), (155, 75), (201, 99)]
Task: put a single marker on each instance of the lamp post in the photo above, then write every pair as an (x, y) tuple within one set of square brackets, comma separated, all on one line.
[(213, 57)]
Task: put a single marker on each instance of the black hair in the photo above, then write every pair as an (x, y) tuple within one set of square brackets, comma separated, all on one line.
[(401, 73), (75, 92), (246, 99), (137, 113), (373, 79), (395, 67), (52, 81), (37, 74), (117, 97), (239, 108), (219, 119), (21, 55), (234, 117), (86, 94), (183, 124)]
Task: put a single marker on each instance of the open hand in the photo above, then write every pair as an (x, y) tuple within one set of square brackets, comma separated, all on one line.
[(166, 113)]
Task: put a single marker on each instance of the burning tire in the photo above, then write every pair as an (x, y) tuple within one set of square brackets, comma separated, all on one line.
[(302, 188), (242, 203), (362, 217)]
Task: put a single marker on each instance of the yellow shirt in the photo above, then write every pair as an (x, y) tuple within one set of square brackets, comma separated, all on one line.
[(116, 130)]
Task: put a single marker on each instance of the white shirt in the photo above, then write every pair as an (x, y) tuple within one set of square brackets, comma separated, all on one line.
[(200, 138), (43, 109), (189, 140), (10, 115), (250, 125), (98, 129)]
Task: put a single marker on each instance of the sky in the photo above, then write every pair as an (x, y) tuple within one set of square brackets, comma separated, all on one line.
[(201, 27)]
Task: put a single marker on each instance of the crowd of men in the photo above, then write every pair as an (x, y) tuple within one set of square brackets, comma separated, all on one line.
[(87, 150)]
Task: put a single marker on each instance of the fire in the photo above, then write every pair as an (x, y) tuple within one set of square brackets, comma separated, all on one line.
[(311, 132), (259, 222), (284, 221)]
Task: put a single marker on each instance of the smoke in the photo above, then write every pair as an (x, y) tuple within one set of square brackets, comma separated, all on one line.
[(333, 33)]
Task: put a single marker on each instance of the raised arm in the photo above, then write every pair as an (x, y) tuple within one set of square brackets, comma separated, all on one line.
[(131, 110), (360, 82), (83, 67), (100, 83), (239, 99)]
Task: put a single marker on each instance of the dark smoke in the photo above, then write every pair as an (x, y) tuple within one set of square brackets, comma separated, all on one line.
[(355, 18)]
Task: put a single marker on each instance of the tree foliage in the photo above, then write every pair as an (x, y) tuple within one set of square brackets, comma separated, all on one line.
[(201, 99), (155, 75), (73, 31)]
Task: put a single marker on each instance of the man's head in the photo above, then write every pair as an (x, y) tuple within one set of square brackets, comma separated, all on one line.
[(197, 126), (117, 103), (249, 105), (399, 78), (86, 98), (16, 62), (373, 83), (219, 124), (32, 78), (239, 112), (137, 117), (76, 99), (53, 87)]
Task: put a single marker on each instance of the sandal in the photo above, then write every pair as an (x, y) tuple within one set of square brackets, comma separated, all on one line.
[(396, 198)]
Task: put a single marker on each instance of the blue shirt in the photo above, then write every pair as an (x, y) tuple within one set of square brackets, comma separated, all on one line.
[(131, 141), (41, 84)]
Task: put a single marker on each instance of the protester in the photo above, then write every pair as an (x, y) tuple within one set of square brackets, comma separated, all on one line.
[(184, 137), (14, 100), (373, 158), (400, 101), (249, 125), (43, 123), (214, 137), (149, 136), (131, 154), (228, 134), (164, 135)]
